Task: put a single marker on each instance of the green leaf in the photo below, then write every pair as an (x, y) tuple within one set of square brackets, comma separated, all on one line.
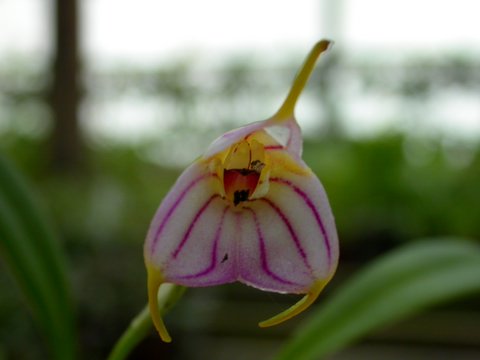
[(398, 285), (34, 257)]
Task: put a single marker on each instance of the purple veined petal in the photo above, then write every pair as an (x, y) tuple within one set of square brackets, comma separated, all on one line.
[(289, 239), (268, 255), (205, 252), (192, 200), (304, 202), (284, 241), (192, 238), (194, 186), (300, 241)]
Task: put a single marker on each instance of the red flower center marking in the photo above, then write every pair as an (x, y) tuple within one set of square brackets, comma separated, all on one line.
[(239, 184)]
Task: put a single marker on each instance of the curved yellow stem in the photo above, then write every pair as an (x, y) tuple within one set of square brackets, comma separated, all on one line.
[(155, 280), (287, 109), (297, 308)]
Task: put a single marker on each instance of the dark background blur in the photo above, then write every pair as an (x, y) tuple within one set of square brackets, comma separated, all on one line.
[(391, 120)]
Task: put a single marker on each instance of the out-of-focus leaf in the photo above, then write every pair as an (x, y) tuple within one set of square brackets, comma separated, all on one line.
[(400, 284), (34, 257)]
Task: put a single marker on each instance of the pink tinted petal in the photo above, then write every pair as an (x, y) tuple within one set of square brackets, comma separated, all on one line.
[(192, 235), (289, 240), (268, 256), (295, 143), (204, 254), (231, 137), (194, 186), (304, 201), (288, 135)]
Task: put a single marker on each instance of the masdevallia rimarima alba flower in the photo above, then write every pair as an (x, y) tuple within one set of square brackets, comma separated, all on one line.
[(248, 210)]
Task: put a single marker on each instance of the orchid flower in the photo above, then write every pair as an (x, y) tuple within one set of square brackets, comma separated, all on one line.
[(248, 210)]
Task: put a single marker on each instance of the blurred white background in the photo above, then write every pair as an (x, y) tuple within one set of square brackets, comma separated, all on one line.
[(376, 34)]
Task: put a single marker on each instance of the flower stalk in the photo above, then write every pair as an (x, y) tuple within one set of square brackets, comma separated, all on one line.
[(141, 325)]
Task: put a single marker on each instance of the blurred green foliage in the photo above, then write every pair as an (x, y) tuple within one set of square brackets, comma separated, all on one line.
[(399, 284), (34, 257), (392, 188)]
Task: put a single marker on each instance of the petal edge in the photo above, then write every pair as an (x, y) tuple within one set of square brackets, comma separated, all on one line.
[(297, 308), (155, 280)]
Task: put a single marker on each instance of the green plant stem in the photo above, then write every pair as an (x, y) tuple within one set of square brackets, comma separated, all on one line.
[(140, 326)]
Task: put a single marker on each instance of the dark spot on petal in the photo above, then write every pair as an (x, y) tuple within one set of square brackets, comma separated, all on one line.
[(225, 258), (239, 196)]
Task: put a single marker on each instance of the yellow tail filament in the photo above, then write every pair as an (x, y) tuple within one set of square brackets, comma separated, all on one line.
[(155, 280), (288, 107), (297, 308)]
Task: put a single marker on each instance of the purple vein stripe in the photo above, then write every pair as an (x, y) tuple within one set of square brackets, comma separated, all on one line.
[(192, 224), (177, 202), (273, 147), (263, 253), (213, 254), (294, 236), (312, 208)]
